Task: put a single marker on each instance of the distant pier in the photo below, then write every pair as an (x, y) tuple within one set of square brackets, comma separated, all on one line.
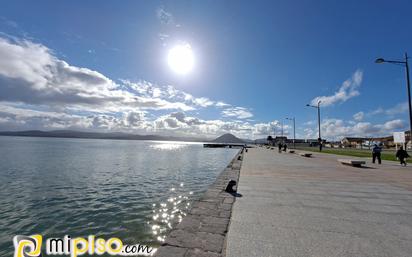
[(224, 145)]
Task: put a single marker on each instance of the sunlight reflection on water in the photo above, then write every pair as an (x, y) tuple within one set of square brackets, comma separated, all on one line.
[(133, 190), (168, 214), (169, 145)]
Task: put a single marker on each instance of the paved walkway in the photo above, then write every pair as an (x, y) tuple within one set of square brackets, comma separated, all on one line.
[(297, 206)]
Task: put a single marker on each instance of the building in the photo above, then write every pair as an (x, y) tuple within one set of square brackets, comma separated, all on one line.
[(355, 142), (280, 139), (367, 142)]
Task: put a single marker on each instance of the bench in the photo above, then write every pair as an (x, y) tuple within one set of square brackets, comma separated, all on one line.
[(355, 163), (306, 154), (291, 151)]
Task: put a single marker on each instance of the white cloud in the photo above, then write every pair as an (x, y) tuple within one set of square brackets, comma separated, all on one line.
[(359, 116), (134, 118), (40, 91), (336, 129), (237, 112), (309, 123), (150, 90), (165, 17), (348, 89), (393, 125), (31, 74), (222, 104), (397, 109), (203, 101), (175, 123)]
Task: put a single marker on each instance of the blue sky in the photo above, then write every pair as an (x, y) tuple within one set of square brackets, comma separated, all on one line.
[(102, 66)]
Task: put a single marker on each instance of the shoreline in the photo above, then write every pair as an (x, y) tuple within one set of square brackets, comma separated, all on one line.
[(102, 135), (203, 231)]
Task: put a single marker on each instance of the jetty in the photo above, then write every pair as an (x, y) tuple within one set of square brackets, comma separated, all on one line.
[(223, 145)]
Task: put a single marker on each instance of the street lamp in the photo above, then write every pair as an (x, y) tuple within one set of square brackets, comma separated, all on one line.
[(318, 107), (281, 126), (408, 84), (294, 131)]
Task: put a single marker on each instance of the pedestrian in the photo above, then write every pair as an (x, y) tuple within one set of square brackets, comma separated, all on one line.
[(285, 146), (280, 147), (401, 155), (376, 153)]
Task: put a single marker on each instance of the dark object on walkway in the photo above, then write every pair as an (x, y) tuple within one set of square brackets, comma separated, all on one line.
[(306, 155), (280, 147), (246, 149), (239, 157), (402, 155), (354, 163), (285, 146), (376, 153), (229, 187)]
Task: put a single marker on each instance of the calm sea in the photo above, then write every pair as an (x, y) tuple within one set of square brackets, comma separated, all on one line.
[(133, 190)]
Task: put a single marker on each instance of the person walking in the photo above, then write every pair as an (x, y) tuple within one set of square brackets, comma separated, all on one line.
[(376, 153), (401, 155), (285, 146), (280, 147)]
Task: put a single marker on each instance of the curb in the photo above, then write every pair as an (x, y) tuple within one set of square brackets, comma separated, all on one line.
[(203, 231)]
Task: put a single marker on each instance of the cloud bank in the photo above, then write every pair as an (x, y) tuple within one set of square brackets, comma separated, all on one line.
[(347, 90), (40, 91), (337, 128)]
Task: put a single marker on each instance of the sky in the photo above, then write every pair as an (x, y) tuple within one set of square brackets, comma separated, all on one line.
[(103, 66)]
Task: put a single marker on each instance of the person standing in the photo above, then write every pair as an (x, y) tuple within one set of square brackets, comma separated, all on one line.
[(376, 153), (402, 155), (280, 147)]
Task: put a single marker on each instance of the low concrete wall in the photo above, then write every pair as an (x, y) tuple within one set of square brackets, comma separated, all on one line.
[(202, 232)]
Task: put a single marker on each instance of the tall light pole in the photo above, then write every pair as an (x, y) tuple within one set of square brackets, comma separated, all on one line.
[(320, 138), (281, 125), (408, 84), (294, 131)]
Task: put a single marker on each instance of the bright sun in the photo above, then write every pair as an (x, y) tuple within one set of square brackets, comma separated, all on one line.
[(181, 59)]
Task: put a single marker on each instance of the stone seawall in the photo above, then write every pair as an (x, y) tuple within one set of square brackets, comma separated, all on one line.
[(202, 233)]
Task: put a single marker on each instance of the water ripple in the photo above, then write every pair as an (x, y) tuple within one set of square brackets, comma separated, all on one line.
[(134, 190)]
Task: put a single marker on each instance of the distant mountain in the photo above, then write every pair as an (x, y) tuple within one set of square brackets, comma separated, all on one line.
[(261, 141), (228, 138), (96, 135)]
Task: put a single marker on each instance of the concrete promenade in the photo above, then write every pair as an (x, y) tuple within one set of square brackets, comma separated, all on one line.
[(297, 206)]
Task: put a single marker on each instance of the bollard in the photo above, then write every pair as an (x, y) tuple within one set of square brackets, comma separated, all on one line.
[(229, 187)]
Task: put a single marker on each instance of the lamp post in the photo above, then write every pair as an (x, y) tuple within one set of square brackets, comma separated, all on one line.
[(318, 107), (281, 125), (294, 131), (408, 84)]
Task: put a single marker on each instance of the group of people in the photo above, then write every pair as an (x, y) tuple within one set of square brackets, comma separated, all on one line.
[(280, 146), (401, 154)]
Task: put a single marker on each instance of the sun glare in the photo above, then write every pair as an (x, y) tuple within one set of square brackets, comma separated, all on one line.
[(181, 59)]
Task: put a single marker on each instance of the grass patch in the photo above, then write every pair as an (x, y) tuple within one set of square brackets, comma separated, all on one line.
[(388, 155)]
